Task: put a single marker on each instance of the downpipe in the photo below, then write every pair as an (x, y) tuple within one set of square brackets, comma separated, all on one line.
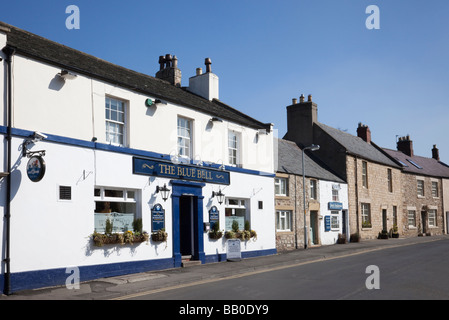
[(9, 52)]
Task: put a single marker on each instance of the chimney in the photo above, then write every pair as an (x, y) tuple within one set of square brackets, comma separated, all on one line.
[(435, 153), (204, 84), (364, 132), (405, 145), (168, 70), (300, 119)]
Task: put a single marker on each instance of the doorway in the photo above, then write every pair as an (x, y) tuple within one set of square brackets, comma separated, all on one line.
[(187, 209), (314, 227), (424, 221), (384, 220), (186, 226)]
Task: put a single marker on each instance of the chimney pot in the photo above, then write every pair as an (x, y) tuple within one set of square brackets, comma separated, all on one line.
[(199, 71), (301, 98), (175, 62), (168, 60), (309, 98), (294, 101), (208, 62)]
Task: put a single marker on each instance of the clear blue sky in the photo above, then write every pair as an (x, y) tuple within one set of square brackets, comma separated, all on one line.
[(394, 79)]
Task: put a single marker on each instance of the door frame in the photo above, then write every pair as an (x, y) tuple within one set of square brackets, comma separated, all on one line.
[(195, 190)]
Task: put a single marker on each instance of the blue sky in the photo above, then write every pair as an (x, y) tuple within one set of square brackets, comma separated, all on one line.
[(394, 79)]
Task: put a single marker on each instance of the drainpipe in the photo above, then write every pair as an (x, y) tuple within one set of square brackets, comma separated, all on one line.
[(7, 285), (356, 195)]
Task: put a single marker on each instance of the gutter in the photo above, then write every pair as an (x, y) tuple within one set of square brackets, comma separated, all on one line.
[(9, 51)]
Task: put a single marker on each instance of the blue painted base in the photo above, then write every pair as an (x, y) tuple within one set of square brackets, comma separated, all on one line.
[(57, 277)]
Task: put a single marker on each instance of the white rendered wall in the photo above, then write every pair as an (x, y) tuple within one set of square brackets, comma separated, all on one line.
[(330, 237), (76, 109)]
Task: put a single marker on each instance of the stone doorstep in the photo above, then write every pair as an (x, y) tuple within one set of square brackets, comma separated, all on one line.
[(132, 278)]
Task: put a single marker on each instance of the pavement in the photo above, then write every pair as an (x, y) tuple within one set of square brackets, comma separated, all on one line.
[(134, 285)]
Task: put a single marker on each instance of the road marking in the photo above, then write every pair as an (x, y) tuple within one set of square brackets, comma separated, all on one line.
[(250, 273)]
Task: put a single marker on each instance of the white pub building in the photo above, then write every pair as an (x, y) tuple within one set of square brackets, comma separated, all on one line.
[(113, 172)]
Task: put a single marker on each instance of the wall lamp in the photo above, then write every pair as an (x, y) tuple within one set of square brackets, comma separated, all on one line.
[(150, 102), (67, 75), (220, 196), (164, 191)]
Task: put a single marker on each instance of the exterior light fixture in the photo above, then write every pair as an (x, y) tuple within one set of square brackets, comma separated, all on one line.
[(313, 147), (150, 102), (66, 75), (220, 196), (164, 191)]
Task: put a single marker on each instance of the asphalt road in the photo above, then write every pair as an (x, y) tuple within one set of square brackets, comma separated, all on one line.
[(418, 271)]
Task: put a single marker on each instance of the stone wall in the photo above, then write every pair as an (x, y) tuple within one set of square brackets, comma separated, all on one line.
[(377, 195), (421, 205)]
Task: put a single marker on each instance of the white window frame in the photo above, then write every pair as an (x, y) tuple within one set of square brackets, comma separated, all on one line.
[(129, 196), (282, 184), (184, 144), (283, 220), (335, 195), (335, 220), (366, 213), (432, 217), (313, 187), (365, 174), (420, 187), (411, 218), (241, 204), (114, 136), (435, 193), (234, 146)]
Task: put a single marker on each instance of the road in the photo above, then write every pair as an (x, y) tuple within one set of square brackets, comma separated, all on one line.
[(417, 271)]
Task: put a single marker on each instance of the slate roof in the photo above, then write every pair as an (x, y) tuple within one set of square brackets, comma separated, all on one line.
[(430, 166), (357, 146), (45, 50), (290, 161)]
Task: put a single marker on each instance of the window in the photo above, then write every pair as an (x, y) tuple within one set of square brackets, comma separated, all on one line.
[(313, 189), (365, 174), (420, 188), (115, 121), (235, 211), (119, 206), (411, 216), (435, 189), (366, 215), (283, 220), (335, 196), (414, 163), (335, 220), (233, 148), (184, 137), (280, 186), (390, 180), (432, 214)]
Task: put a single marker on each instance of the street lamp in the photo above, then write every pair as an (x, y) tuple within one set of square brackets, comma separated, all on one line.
[(313, 147)]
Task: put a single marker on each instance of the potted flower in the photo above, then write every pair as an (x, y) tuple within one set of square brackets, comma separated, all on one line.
[(395, 233), (159, 235), (215, 233)]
